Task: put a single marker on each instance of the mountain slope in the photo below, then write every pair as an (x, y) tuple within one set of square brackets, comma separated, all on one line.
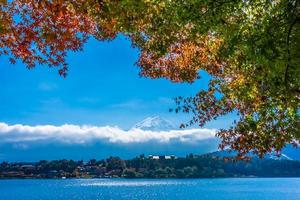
[(155, 123)]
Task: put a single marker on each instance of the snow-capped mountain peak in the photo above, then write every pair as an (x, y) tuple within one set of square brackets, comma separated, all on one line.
[(154, 123), (273, 156)]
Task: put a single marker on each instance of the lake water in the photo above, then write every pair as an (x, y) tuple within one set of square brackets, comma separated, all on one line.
[(162, 189)]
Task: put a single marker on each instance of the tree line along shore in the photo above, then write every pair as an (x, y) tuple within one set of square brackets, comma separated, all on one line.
[(191, 166)]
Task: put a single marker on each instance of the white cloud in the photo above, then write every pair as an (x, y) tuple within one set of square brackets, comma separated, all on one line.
[(74, 134), (43, 86)]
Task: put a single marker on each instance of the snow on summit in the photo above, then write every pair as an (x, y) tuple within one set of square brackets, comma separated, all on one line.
[(155, 123)]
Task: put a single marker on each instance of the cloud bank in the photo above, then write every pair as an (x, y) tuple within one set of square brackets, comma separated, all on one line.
[(75, 134)]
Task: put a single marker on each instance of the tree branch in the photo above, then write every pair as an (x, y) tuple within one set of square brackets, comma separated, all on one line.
[(288, 51)]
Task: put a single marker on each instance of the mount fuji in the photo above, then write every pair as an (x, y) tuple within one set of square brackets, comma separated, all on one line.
[(155, 123)]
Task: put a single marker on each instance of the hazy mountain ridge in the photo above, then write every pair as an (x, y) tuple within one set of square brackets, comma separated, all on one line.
[(270, 156)]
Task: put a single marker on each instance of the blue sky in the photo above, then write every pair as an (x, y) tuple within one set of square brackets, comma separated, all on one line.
[(103, 88)]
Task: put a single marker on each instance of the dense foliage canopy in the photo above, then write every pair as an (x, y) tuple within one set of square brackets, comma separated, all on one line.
[(251, 49)]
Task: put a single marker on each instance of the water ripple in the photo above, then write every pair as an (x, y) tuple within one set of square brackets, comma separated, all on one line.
[(129, 183)]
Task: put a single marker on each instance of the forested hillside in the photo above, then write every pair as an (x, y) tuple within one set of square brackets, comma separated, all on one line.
[(191, 166)]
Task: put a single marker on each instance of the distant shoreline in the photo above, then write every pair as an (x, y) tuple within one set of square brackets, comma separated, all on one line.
[(253, 177), (152, 167)]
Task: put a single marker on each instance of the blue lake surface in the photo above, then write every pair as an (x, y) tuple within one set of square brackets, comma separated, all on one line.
[(144, 189)]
